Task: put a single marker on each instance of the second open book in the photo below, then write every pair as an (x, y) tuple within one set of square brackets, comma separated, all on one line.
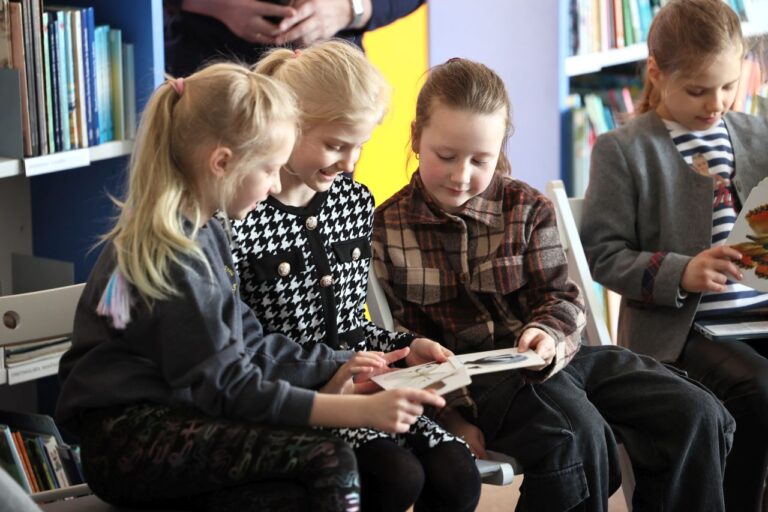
[(458, 370)]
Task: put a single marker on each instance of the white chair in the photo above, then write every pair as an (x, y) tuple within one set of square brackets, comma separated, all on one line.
[(568, 222), (500, 469)]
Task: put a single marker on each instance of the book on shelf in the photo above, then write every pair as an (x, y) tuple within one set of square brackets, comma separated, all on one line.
[(34, 454), (28, 361), (5, 35), (457, 372)]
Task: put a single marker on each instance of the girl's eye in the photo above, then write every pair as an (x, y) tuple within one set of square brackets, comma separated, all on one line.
[(479, 162), (444, 157), (333, 147), (695, 92), (729, 87)]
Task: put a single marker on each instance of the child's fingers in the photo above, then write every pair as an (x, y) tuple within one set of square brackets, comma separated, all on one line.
[(396, 355), (423, 397), (366, 388), (726, 251)]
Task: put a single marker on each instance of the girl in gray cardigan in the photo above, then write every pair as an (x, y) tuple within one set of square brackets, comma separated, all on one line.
[(175, 391), (663, 195)]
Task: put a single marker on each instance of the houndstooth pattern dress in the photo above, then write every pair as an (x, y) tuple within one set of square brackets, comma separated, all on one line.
[(304, 271)]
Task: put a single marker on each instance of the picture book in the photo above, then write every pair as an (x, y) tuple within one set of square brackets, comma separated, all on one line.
[(458, 370), (749, 236)]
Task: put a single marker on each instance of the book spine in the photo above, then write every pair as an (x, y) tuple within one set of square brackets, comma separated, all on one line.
[(37, 462), (17, 42), (27, 464), (53, 31), (37, 61), (26, 11), (80, 107), (62, 68), (129, 90), (47, 464), (6, 56), (48, 86), (116, 82), (93, 101), (14, 465), (70, 67)]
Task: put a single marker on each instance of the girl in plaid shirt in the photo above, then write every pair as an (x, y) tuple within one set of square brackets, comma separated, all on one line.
[(471, 257)]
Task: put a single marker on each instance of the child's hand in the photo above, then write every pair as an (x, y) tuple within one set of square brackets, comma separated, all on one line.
[(361, 366), (538, 340), (424, 350), (709, 270), (397, 409), (457, 425)]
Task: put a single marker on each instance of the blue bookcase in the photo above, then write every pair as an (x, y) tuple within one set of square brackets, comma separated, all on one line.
[(60, 213)]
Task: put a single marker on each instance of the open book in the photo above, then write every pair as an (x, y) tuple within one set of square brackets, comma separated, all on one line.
[(749, 236), (458, 370)]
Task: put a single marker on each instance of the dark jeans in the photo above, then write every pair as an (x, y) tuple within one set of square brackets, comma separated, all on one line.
[(564, 432), (737, 373), (151, 455)]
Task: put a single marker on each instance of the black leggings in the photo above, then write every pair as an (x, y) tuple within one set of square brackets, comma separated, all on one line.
[(737, 373), (152, 455), (441, 478)]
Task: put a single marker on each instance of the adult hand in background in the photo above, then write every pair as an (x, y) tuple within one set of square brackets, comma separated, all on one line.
[(316, 20), (246, 18)]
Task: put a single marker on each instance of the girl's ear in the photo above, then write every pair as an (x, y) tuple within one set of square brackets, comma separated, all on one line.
[(653, 71), (218, 161), (415, 138)]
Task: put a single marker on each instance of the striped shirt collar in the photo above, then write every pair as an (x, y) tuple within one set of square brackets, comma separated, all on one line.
[(485, 207)]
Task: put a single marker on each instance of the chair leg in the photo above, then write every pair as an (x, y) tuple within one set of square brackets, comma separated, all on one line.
[(627, 476)]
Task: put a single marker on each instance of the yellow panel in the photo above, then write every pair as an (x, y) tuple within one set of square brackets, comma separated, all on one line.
[(399, 51)]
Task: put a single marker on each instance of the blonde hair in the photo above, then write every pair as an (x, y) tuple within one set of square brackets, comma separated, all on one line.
[(333, 82), (465, 85), (686, 34), (223, 104)]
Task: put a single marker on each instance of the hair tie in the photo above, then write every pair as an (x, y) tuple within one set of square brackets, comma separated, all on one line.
[(178, 85)]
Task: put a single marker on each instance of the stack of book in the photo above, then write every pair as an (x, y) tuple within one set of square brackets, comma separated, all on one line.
[(76, 77), (33, 453), (32, 360)]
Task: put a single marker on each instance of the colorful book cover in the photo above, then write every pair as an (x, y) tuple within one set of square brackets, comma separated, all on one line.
[(61, 49), (90, 47), (53, 43), (749, 236), (38, 462)]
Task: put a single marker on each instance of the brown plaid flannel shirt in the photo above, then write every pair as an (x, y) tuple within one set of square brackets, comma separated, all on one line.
[(474, 280)]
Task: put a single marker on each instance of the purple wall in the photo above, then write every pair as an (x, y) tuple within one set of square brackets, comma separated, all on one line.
[(520, 40)]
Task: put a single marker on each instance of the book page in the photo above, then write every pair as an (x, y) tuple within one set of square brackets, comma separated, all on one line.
[(749, 236), (457, 371)]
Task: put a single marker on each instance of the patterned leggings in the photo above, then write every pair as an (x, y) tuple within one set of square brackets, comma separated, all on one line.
[(159, 456)]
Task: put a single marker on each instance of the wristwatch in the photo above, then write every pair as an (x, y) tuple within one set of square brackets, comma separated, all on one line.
[(357, 12)]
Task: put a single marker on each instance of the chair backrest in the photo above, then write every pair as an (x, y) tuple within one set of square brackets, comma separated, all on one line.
[(38, 315), (568, 222), (378, 307)]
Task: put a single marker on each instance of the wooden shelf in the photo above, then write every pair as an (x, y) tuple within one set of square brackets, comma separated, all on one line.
[(74, 159)]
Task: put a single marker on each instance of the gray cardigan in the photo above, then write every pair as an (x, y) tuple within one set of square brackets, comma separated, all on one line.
[(204, 349), (643, 199)]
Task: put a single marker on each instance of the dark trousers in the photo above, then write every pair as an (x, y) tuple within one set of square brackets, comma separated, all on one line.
[(565, 430), (737, 373), (151, 455)]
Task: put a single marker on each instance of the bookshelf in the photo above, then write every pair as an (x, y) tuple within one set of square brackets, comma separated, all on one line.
[(59, 202), (55, 206)]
